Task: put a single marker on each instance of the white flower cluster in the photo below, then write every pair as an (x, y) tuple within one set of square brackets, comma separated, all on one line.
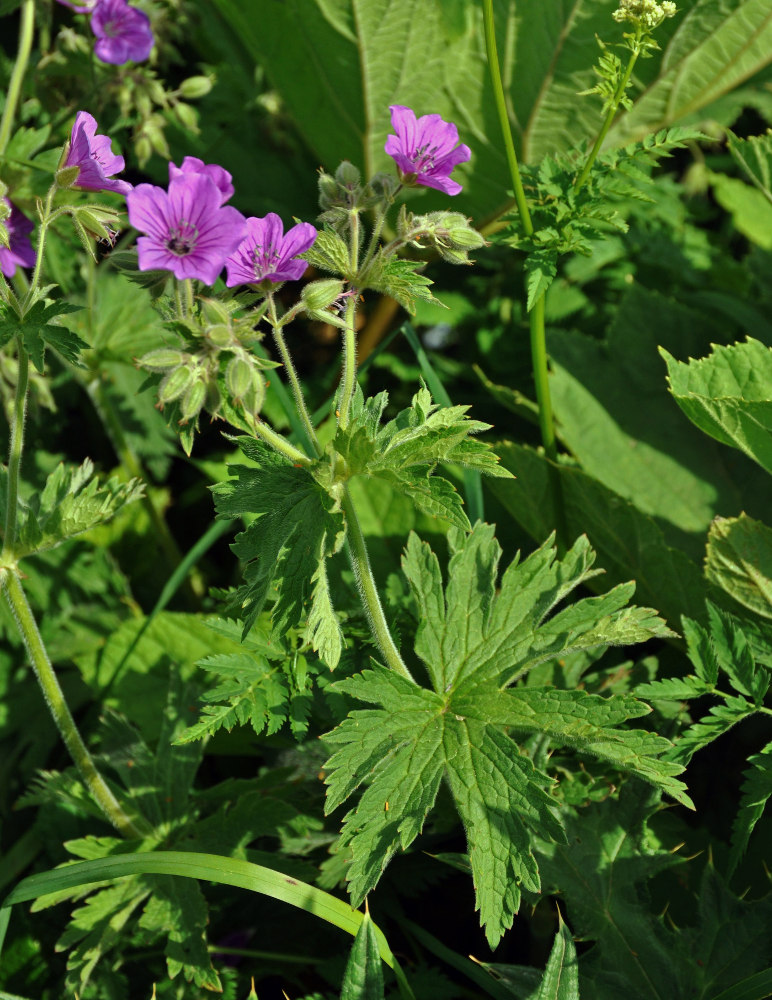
[(649, 13)]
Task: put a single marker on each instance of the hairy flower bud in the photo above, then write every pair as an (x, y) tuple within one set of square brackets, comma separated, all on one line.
[(195, 86), (162, 359), (255, 397), (175, 384), (320, 295), (238, 378), (193, 400)]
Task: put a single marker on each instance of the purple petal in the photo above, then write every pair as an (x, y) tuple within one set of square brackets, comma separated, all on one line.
[(221, 178)]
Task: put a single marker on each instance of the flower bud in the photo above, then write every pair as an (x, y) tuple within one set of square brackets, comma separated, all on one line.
[(66, 176), (255, 397), (162, 358), (193, 401), (215, 311), (175, 384), (328, 190), (347, 175), (220, 335), (187, 116), (320, 295), (238, 378), (195, 86)]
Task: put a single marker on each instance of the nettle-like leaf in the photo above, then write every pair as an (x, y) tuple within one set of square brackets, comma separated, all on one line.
[(474, 643), (739, 561), (728, 395), (754, 155), (400, 279), (405, 451), (298, 526), (37, 331), (72, 501)]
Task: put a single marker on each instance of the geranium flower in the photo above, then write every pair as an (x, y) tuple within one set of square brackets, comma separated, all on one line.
[(192, 165), (92, 154), (425, 149), (266, 254), (188, 231), (20, 252), (123, 32)]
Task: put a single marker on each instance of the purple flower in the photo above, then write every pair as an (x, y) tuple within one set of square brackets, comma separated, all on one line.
[(123, 32), (266, 254), (425, 149), (20, 252), (188, 231), (192, 165), (93, 155)]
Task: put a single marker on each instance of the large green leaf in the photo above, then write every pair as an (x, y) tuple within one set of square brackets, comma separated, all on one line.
[(728, 395), (739, 561), (629, 544), (474, 642)]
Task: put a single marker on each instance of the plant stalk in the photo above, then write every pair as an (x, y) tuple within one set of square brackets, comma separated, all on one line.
[(280, 444), (26, 32), (16, 450), (292, 375), (60, 711), (611, 113), (349, 361), (360, 563)]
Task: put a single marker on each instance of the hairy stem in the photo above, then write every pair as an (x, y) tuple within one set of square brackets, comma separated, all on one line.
[(280, 444), (292, 375), (16, 450), (368, 591), (611, 113), (26, 32), (60, 711), (349, 361)]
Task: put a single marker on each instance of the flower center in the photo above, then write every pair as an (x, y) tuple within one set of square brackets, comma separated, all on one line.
[(264, 260), (424, 157), (182, 239), (111, 29)]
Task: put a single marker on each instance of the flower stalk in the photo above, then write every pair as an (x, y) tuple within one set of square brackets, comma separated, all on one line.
[(26, 33), (368, 591), (289, 367), (60, 711)]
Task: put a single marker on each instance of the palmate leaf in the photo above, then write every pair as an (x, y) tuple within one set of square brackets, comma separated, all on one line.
[(72, 501), (37, 331), (297, 527), (404, 451), (474, 643)]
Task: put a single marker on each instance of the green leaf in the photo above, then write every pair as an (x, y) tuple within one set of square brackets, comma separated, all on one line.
[(750, 209), (729, 396), (755, 792), (615, 415), (253, 691), (474, 640), (627, 542), (734, 656), (401, 279), (754, 155), (541, 270), (329, 253), (739, 561), (363, 978), (718, 721), (72, 501), (298, 526), (37, 332), (561, 977)]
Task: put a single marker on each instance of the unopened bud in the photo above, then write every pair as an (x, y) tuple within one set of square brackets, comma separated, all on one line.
[(162, 358), (214, 311), (195, 86), (347, 175), (220, 335), (193, 401), (187, 116), (320, 295), (66, 176), (175, 384), (238, 378), (255, 397)]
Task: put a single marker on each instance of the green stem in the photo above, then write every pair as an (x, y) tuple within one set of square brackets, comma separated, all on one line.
[(501, 109), (26, 32), (280, 444), (360, 563), (611, 113), (48, 217), (59, 708), (17, 447), (292, 375), (349, 361), (187, 286), (536, 317)]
